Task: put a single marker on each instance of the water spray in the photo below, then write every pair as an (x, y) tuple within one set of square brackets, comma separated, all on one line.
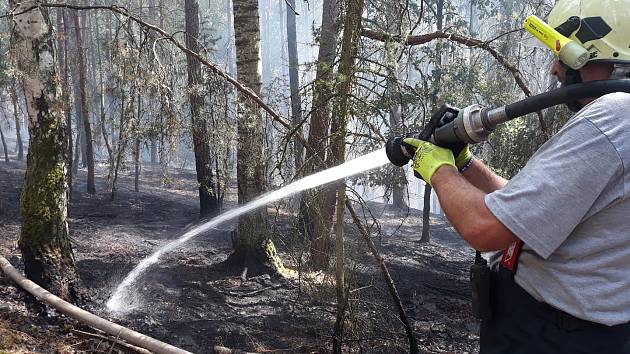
[(121, 299), (472, 124)]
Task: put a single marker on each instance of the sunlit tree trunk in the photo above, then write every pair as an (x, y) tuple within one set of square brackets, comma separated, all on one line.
[(44, 242), (85, 110), (317, 206), (294, 81), (255, 248), (208, 200)]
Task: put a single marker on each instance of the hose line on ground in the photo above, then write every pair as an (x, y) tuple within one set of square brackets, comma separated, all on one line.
[(88, 318)]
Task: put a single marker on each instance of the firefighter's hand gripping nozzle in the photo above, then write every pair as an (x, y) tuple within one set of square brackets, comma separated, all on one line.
[(449, 126), (398, 152)]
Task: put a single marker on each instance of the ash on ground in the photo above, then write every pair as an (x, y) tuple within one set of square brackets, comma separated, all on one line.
[(191, 301)]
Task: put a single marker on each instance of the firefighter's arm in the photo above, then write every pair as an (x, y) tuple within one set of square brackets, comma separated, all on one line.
[(480, 176), (466, 209), (462, 202)]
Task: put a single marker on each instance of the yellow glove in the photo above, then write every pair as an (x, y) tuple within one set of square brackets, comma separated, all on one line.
[(463, 157), (429, 158)]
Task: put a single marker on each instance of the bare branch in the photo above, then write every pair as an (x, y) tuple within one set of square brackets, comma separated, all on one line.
[(213, 67)]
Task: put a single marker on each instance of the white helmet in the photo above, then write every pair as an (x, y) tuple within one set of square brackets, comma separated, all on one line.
[(601, 27)]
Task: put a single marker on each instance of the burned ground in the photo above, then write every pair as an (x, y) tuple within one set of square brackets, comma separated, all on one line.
[(191, 301)]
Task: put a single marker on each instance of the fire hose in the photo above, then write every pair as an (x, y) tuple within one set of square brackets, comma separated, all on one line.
[(475, 123), (88, 318)]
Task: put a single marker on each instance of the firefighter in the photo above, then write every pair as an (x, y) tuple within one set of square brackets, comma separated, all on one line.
[(560, 282)]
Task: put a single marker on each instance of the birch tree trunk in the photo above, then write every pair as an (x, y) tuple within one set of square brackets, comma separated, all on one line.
[(255, 249), (294, 81), (44, 241), (85, 109), (208, 199), (317, 205)]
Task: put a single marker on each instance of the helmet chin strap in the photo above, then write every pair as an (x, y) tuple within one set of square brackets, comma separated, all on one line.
[(572, 77)]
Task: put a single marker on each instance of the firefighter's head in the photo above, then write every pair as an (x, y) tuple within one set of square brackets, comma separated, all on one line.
[(603, 29)]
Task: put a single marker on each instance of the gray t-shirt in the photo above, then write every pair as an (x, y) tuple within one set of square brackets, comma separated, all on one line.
[(571, 207)]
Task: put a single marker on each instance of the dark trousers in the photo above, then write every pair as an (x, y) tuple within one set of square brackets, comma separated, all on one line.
[(522, 325)]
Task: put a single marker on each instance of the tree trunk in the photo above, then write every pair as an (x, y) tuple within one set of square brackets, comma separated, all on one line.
[(230, 36), (4, 145), (208, 200), (85, 110), (399, 183), (351, 35), (137, 149), (426, 214), (18, 126), (294, 81), (255, 248), (153, 133), (265, 45), (101, 101), (44, 241), (88, 19), (62, 45), (121, 142), (317, 205), (437, 81), (77, 146)]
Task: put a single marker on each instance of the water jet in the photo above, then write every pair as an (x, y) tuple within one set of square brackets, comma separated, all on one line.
[(119, 301)]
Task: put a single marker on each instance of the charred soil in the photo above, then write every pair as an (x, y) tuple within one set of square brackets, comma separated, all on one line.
[(191, 299)]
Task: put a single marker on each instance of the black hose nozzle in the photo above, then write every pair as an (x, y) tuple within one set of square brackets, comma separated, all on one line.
[(398, 152)]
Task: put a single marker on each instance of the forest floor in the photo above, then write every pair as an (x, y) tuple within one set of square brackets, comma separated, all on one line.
[(191, 301)]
